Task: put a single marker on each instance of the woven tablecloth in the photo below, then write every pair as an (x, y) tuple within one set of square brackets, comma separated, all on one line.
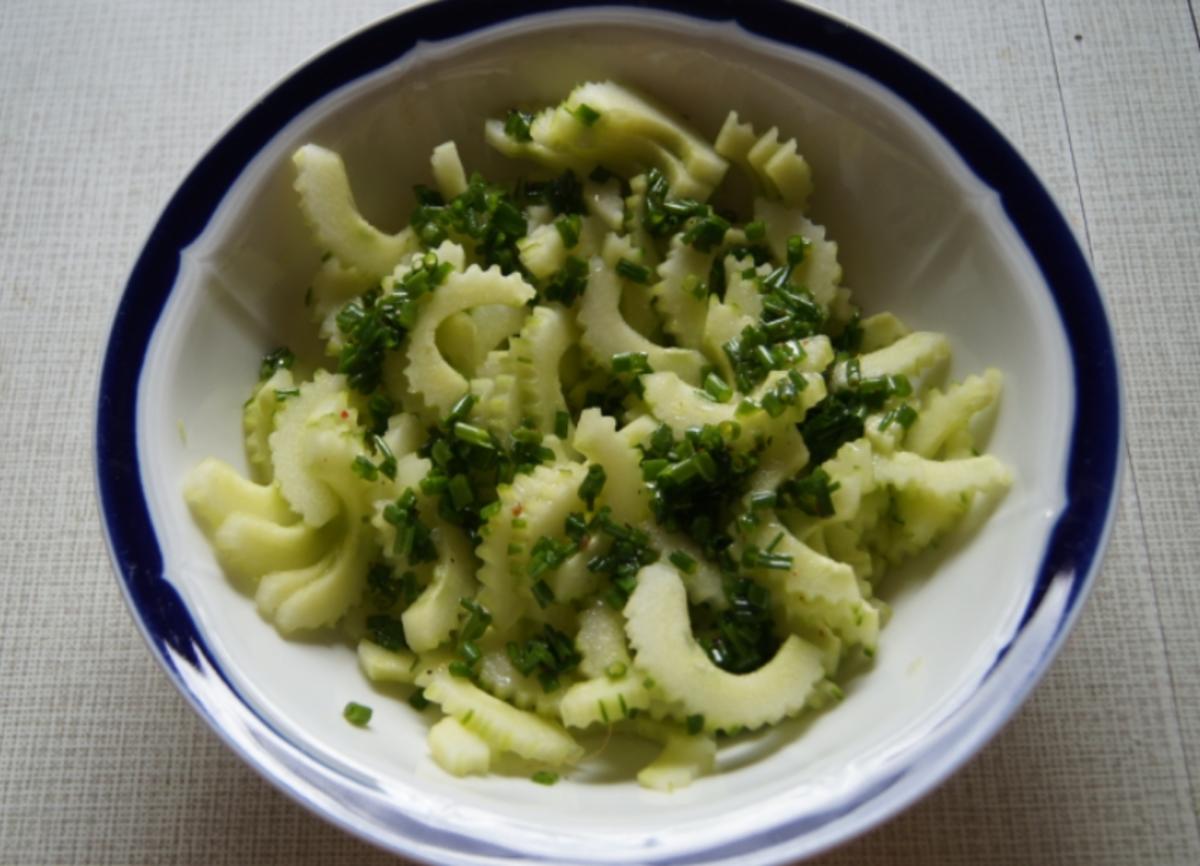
[(105, 105)]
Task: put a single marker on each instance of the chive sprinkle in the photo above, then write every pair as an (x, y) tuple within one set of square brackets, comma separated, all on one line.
[(586, 115), (632, 271), (357, 714), (544, 777), (683, 561)]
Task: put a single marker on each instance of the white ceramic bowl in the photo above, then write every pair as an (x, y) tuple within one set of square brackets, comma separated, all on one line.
[(938, 220)]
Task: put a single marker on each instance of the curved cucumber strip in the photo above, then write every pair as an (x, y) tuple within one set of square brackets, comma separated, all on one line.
[(213, 490), (457, 750), (503, 726), (427, 372), (606, 333), (328, 204), (603, 701), (386, 666), (945, 413), (657, 623)]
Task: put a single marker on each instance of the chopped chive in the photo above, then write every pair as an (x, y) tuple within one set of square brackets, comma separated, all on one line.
[(569, 227), (586, 115), (695, 724), (562, 424), (752, 557), (473, 435), (592, 484), (762, 499), (418, 701), (797, 249), (616, 670), (630, 362), (544, 777), (460, 491), (357, 714), (364, 468), (717, 388), (516, 125), (461, 408), (652, 468), (684, 562), (278, 359), (542, 594), (756, 230), (632, 271)]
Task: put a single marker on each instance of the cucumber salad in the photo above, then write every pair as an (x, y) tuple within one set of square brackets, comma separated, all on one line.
[(590, 451)]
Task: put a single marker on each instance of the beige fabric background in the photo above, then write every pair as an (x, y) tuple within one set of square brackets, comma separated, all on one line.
[(103, 107)]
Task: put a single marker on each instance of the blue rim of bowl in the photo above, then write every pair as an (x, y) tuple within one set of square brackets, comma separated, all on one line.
[(1072, 553)]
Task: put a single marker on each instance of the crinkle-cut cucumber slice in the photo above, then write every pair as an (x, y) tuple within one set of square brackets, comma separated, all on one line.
[(248, 546), (926, 498), (911, 355), (404, 434), (785, 455), (682, 406), (601, 640), (602, 701), (684, 758), (429, 620), (605, 332), (844, 543), (851, 474), (542, 251), (328, 205), (498, 392), (213, 490), (258, 422), (819, 272), (457, 750), (534, 505), (880, 331), (318, 595), (537, 352), (498, 584), (815, 586), (661, 635), (943, 413), (544, 498), (321, 594), (959, 445), (312, 498), (501, 678), (381, 665), (604, 202), (627, 134), (742, 307), (777, 168), (597, 438), (682, 307), (427, 372), (504, 727), (333, 286), (572, 580), (448, 172), (704, 585)]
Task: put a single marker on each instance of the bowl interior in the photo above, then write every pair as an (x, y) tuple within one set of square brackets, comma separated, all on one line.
[(919, 235)]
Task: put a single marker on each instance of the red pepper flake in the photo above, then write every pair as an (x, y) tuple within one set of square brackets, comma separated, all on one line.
[(345, 414), (517, 509)]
